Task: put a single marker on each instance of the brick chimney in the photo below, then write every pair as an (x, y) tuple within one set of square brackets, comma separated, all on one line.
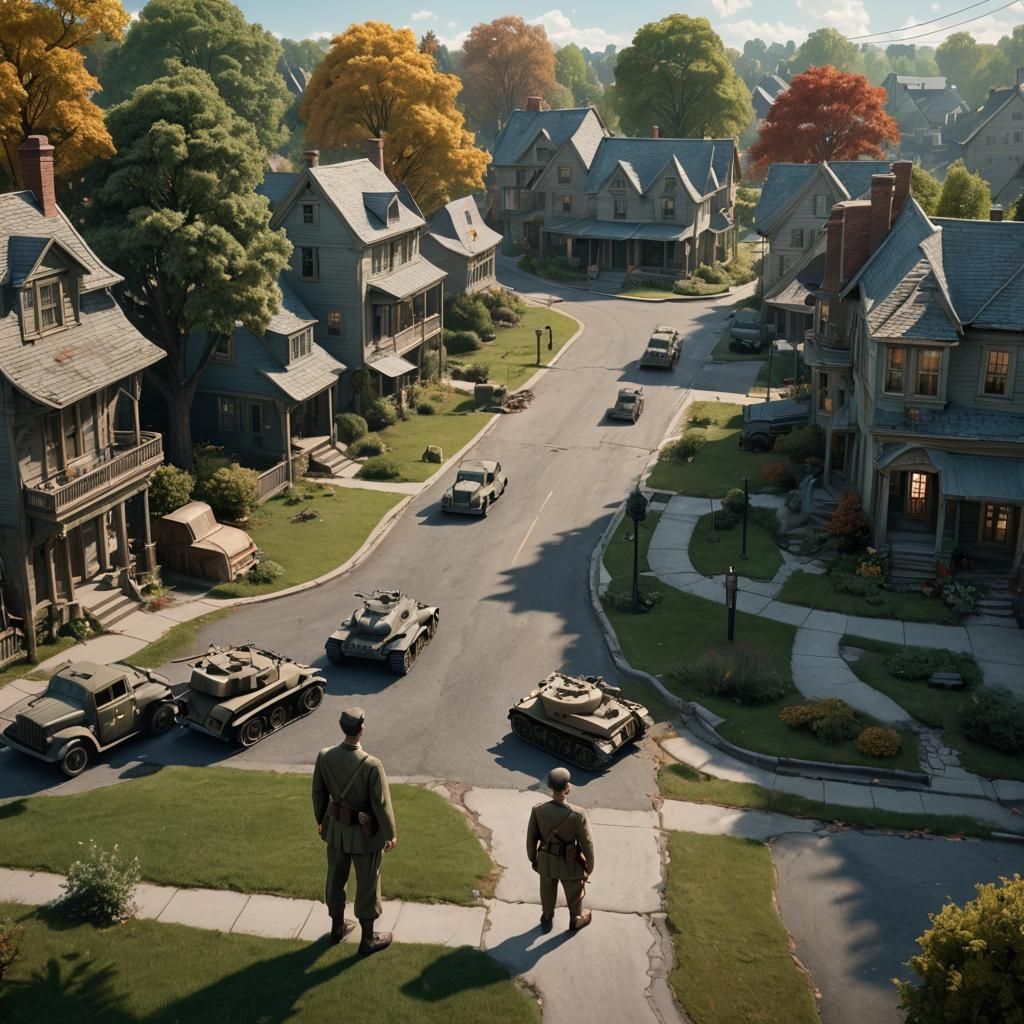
[(532, 103), (375, 153), (995, 213), (655, 132), (903, 170), (882, 188), (36, 157), (833, 250), (311, 157), (856, 238)]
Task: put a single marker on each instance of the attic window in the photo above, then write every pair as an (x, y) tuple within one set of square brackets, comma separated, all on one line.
[(564, 174), (392, 211), (670, 184), (543, 155), (618, 181), (300, 344), (42, 306)]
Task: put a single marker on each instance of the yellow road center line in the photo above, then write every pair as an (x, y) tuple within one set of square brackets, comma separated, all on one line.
[(530, 530)]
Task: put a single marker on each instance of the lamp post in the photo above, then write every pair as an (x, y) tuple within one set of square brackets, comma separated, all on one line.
[(538, 331), (731, 586), (746, 502), (637, 508), (551, 339)]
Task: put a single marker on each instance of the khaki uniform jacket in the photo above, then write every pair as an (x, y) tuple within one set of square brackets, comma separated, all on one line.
[(551, 820), (334, 767)]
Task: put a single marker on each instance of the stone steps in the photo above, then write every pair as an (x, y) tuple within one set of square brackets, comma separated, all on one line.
[(108, 605), (329, 460)]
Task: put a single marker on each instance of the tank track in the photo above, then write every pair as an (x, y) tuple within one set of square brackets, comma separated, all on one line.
[(295, 705), (564, 745), (335, 655)]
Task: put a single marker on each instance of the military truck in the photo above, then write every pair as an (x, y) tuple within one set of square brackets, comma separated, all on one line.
[(241, 694), (580, 719), (763, 422), (390, 626), (86, 710), (479, 483), (629, 404), (663, 348)]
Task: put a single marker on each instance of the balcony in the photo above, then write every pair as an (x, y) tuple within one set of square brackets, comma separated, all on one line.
[(409, 337), (827, 350), (69, 491)]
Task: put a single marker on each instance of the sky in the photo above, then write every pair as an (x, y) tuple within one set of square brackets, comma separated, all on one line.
[(601, 22)]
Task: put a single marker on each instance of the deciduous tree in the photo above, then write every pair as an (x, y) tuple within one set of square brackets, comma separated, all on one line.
[(964, 195), (925, 189), (573, 71), (375, 83), (972, 67), (678, 76), (825, 115), (176, 213), (824, 47), (44, 86)]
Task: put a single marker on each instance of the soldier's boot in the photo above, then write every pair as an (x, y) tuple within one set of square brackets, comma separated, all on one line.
[(547, 923), (372, 942), (578, 917), (341, 926)]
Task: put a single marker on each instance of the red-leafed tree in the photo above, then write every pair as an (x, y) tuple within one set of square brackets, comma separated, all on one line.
[(825, 114)]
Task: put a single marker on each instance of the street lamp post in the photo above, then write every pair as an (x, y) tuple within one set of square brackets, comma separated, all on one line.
[(731, 586), (746, 502), (637, 508), (551, 339), (538, 331)]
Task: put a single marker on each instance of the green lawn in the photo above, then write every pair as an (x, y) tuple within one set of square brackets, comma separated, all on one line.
[(733, 962), (763, 559), (720, 465), (782, 371), (618, 555), (345, 518), (511, 359), (695, 286), (937, 708), (169, 974), (810, 591), (223, 828), (640, 291), (23, 669), (177, 642), (681, 782)]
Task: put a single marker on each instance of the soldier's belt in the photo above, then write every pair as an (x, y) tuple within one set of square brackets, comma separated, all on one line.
[(561, 849), (346, 814)]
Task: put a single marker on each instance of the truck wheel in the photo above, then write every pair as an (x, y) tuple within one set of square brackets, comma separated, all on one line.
[(758, 443), (250, 733), (432, 624), (278, 717), (161, 718), (311, 699), (75, 760), (522, 727)]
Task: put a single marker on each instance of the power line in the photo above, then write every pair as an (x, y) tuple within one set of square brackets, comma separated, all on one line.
[(946, 28), (942, 17)]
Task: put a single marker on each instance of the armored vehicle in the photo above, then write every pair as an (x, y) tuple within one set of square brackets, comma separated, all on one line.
[(583, 720), (390, 627), (478, 484), (628, 405), (85, 710), (763, 422), (240, 694), (663, 348)]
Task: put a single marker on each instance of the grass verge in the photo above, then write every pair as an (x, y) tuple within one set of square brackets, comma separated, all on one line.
[(25, 668), (733, 964), (763, 559), (176, 642), (618, 555), (188, 827), (640, 291), (166, 973), (782, 372), (810, 591), (345, 517)]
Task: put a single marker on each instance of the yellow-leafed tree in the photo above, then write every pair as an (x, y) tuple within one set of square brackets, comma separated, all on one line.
[(44, 86), (375, 83)]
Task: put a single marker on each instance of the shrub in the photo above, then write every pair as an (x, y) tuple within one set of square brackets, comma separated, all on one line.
[(969, 964), (960, 597), (232, 492), (475, 372), (467, 312), (100, 888), (802, 444), (848, 524), (503, 316), (370, 445), (169, 489), (916, 662), (425, 409), (265, 572), (380, 467), (683, 448), (10, 945), (778, 474), (430, 366), (502, 299), (858, 586), (725, 519), (458, 342), (734, 501), (835, 728), (206, 460), (528, 263), (350, 426), (803, 715), (381, 413), (876, 741), (995, 718), (743, 673), (623, 602), (872, 566), (81, 629), (713, 274)]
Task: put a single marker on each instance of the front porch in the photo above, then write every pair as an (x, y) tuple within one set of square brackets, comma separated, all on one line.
[(650, 250)]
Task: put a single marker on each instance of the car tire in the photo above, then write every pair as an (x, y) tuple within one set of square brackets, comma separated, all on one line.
[(758, 443), (75, 760), (161, 718)]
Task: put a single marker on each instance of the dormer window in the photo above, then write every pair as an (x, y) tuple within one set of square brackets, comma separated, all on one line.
[(393, 211), (543, 155), (300, 344), (469, 217), (670, 184), (42, 306), (50, 311), (618, 181)]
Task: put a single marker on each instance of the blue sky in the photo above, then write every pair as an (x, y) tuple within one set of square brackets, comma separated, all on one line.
[(609, 21)]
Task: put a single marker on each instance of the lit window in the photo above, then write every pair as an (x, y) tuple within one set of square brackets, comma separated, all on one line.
[(995, 525), (917, 496), (334, 321), (564, 175), (49, 306), (620, 209), (929, 363), (310, 263), (227, 414), (895, 367), (997, 372)]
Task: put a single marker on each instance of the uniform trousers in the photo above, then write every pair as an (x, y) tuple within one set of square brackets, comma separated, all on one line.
[(367, 868), (572, 887)]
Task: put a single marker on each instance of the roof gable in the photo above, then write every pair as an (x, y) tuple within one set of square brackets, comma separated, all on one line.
[(646, 160), (30, 256), (459, 227), (559, 126)]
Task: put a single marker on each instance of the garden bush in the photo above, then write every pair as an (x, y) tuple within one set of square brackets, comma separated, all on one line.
[(876, 741), (265, 572), (232, 492), (622, 601), (467, 312), (735, 501), (778, 474), (683, 448), (350, 426), (430, 367), (802, 444), (100, 887), (81, 629), (995, 718), (918, 663), (849, 525), (742, 673), (961, 598), (458, 342), (367, 446), (380, 467), (725, 519), (798, 716), (837, 728), (504, 317), (475, 372), (529, 263), (425, 408), (503, 299), (381, 413), (713, 274), (11, 936), (206, 460), (169, 489), (858, 586)]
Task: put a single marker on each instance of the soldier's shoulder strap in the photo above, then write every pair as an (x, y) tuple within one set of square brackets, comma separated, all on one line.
[(553, 828)]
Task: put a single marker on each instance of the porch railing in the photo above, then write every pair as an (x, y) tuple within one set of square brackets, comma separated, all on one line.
[(412, 336), (12, 645), (272, 481)]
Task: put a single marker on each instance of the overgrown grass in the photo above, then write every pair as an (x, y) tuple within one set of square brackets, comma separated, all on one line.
[(223, 828), (165, 974), (681, 782), (810, 591), (618, 555), (25, 668), (177, 642), (937, 708), (733, 964), (511, 359), (345, 517), (763, 559), (720, 465)]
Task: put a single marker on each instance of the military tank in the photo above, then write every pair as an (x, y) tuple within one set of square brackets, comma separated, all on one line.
[(240, 694), (579, 719), (390, 626)]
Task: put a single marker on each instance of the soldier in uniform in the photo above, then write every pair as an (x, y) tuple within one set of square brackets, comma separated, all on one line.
[(352, 806), (561, 849)]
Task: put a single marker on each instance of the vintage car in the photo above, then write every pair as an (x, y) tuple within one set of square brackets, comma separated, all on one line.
[(663, 348), (763, 422), (85, 710), (747, 333), (628, 405), (191, 541), (478, 484)]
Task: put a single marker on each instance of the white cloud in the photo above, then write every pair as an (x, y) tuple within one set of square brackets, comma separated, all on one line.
[(321, 35), (848, 17), (452, 24), (738, 32), (727, 8), (454, 42), (561, 30), (936, 7), (423, 16)]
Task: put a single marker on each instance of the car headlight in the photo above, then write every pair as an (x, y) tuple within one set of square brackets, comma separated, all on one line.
[(475, 500)]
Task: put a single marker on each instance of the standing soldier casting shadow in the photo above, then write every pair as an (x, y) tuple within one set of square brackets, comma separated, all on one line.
[(561, 849), (353, 812)]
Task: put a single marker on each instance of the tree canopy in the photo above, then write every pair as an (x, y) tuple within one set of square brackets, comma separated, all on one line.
[(376, 83), (677, 75), (972, 67), (44, 86), (925, 189), (825, 115), (212, 35), (175, 212), (579, 77), (824, 47), (303, 53), (964, 195)]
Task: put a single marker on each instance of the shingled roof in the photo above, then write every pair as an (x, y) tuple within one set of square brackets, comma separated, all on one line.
[(701, 164), (581, 125), (969, 125), (459, 227)]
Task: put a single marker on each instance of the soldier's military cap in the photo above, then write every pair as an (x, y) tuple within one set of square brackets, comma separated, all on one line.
[(559, 778), (352, 719)]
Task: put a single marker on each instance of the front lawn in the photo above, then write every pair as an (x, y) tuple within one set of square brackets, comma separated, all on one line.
[(733, 961), (811, 591), (763, 559), (345, 517), (224, 828), (511, 359), (143, 971), (641, 291), (618, 555), (25, 668), (782, 371), (720, 465)]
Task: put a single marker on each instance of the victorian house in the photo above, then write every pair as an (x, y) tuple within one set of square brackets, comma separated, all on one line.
[(463, 246), (74, 461)]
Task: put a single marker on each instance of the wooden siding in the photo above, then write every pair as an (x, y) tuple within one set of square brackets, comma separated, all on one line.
[(965, 376), (454, 265), (10, 484), (998, 160), (801, 218), (206, 425)]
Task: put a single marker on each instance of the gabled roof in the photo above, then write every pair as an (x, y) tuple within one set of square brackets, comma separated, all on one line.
[(459, 227), (26, 253), (291, 314), (969, 125), (804, 278), (771, 86), (644, 161), (581, 125), (305, 377), (276, 185)]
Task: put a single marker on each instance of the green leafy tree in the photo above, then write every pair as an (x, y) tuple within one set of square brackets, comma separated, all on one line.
[(1012, 47), (677, 75), (876, 65), (573, 71), (303, 53), (925, 189), (827, 46), (212, 35), (176, 213), (603, 63), (972, 67), (964, 195), (1016, 210)]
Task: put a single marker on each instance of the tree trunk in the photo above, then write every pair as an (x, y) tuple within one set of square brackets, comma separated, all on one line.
[(178, 443)]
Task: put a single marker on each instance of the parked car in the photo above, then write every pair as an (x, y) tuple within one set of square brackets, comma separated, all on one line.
[(628, 405), (85, 710), (663, 348), (191, 541), (763, 422), (478, 484), (747, 333)]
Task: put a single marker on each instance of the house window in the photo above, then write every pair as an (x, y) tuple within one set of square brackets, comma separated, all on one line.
[(917, 495), (564, 175), (990, 140), (995, 523), (381, 257), (1017, 116), (309, 213), (301, 344), (566, 203), (929, 365), (796, 238), (670, 184), (510, 198), (50, 312), (782, 265), (469, 217), (334, 322), (895, 367), (256, 418), (310, 263), (543, 155), (72, 433), (618, 181), (1018, 137), (819, 205), (668, 208), (227, 414), (997, 373), (223, 350), (620, 209)]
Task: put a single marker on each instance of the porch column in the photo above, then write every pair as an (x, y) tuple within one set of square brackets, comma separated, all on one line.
[(65, 553), (121, 524), (147, 534), (51, 570), (827, 473), (103, 539), (332, 429), (882, 517), (940, 523), (286, 419), (135, 412)]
